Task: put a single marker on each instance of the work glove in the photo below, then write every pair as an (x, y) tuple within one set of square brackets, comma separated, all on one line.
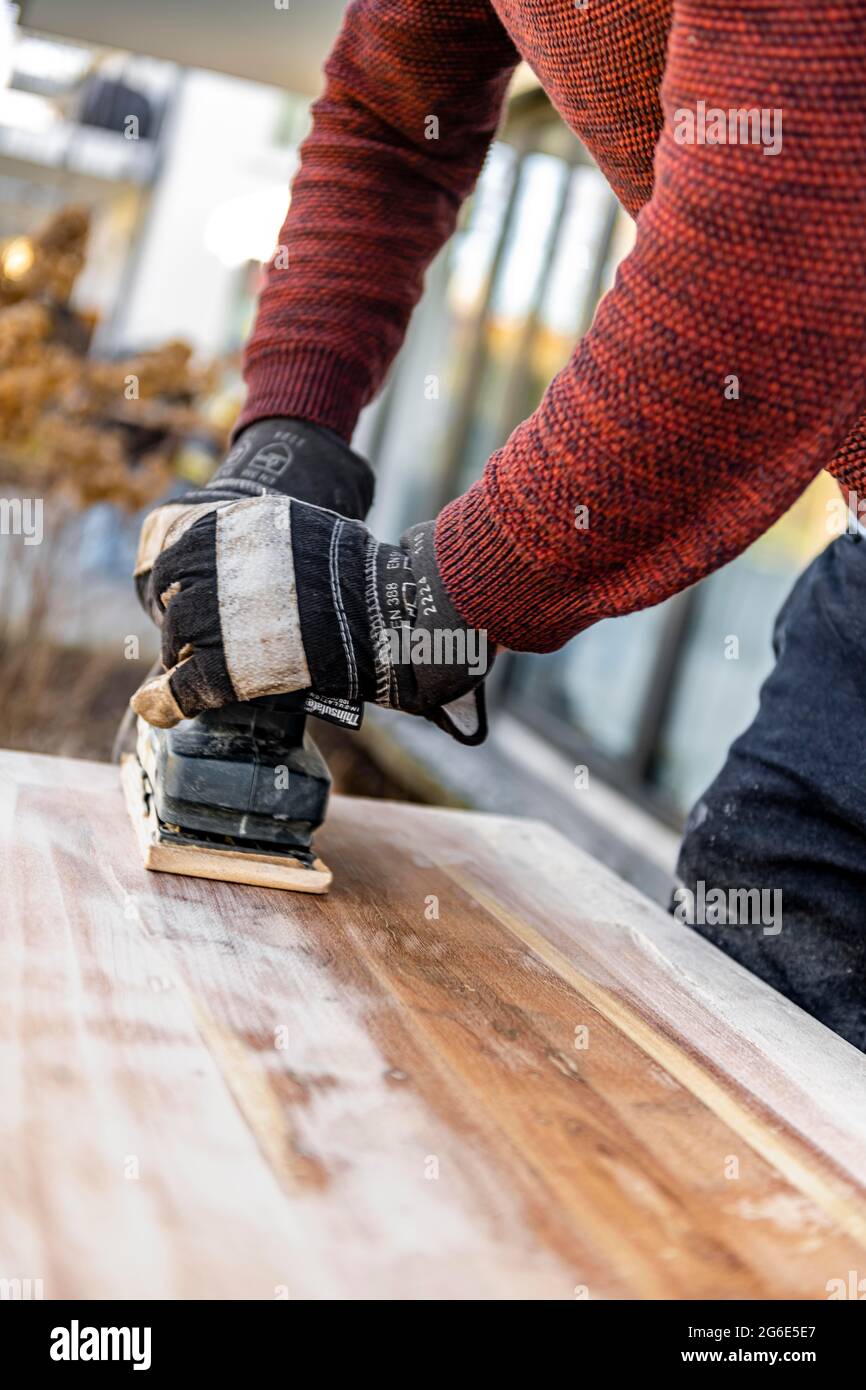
[(278, 455), (271, 595)]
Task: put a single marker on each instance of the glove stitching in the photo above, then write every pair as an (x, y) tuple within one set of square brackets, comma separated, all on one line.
[(386, 681), (345, 631)]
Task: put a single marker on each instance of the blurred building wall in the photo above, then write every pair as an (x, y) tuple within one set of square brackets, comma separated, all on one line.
[(219, 203), (255, 39)]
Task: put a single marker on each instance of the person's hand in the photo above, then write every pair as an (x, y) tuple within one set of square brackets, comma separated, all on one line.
[(282, 456), (271, 595)]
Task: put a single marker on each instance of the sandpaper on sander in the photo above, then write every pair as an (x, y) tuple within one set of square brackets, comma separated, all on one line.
[(235, 794)]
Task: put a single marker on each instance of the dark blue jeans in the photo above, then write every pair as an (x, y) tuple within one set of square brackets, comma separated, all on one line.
[(773, 864)]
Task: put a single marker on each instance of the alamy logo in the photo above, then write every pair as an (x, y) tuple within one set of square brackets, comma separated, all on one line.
[(738, 126), (77, 1343), (852, 1287), (21, 1290), (22, 516), (438, 646), (845, 515), (733, 907)]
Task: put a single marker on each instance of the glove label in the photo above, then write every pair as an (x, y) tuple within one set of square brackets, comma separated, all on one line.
[(346, 713)]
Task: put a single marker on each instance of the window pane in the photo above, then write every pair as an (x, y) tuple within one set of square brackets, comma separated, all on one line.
[(728, 648), (525, 257), (598, 683)]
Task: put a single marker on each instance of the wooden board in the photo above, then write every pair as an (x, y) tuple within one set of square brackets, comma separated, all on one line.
[(480, 1068)]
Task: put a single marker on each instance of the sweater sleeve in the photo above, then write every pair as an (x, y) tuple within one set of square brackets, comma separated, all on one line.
[(413, 93), (724, 367)]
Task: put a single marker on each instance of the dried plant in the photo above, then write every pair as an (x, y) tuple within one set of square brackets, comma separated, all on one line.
[(50, 261), (74, 430), (91, 429)]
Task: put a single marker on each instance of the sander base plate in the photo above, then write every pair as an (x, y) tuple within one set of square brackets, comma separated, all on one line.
[(163, 854)]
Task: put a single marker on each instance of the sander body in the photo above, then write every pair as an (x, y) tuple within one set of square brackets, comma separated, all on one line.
[(237, 793)]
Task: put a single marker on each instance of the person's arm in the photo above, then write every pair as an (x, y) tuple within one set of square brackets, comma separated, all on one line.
[(723, 369), (414, 90), (721, 372)]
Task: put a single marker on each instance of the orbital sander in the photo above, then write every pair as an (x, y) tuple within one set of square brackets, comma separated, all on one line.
[(237, 793)]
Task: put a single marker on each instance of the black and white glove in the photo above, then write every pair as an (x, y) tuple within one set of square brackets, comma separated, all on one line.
[(277, 455), (271, 595)]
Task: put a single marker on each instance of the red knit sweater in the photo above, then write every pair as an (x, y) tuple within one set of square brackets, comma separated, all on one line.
[(745, 264)]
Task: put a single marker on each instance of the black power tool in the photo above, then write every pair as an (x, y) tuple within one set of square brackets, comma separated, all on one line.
[(237, 793)]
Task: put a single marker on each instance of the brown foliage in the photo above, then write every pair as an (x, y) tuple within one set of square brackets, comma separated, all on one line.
[(91, 430), (58, 257)]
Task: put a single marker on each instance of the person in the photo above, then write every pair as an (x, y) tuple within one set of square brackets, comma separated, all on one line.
[(722, 372)]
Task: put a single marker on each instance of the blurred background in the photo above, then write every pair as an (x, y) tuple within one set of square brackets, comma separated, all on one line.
[(146, 153)]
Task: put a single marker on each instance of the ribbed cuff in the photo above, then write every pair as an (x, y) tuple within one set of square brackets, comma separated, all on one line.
[(523, 607), (308, 383)]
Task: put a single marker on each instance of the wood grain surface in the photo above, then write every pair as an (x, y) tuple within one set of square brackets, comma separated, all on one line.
[(482, 1068)]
